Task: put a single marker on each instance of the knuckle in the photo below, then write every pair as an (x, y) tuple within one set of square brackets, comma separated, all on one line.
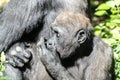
[(18, 49), (13, 52)]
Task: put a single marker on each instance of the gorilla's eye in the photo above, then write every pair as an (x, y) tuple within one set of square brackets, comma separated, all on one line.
[(57, 34)]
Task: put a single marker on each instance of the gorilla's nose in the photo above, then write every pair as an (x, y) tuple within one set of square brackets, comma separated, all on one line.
[(50, 44)]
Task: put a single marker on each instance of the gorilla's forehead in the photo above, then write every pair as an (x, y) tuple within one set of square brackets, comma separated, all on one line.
[(72, 20)]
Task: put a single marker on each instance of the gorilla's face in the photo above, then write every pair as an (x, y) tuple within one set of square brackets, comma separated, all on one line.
[(66, 40), (70, 30)]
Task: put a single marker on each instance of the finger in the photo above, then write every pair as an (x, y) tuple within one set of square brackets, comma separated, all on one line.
[(22, 58), (43, 43), (39, 48), (43, 47), (10, 61), (40, 41), (18, 62), (27, 53)]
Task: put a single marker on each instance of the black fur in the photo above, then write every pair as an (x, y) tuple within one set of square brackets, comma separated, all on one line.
[(82, 56), (26, 21), (21, 17)]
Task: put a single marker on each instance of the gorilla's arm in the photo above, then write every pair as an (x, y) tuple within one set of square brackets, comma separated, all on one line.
[(18, 17), (51, 61)]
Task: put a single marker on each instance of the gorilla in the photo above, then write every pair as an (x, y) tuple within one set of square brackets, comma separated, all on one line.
[(22, 23), (19, 18), (74, 52)]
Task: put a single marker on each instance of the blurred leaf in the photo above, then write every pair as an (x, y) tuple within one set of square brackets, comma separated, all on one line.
[(116, 34), (101, 13), (111, 24), (103, 7), (97, 28), (114, 10), (117, 16), (97, 33), (2, 68), (117, 2), (4, 78), (1, 74), (109, 40), (3, 57), (115, 21), (111, 3)]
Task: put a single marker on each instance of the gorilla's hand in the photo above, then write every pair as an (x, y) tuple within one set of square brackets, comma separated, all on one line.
[(51, 61), (48, 53), (18, 55)]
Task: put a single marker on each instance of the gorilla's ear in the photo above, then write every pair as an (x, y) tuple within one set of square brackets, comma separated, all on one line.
[(81, 36)]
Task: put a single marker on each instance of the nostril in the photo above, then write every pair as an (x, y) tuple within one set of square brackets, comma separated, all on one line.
[(49, 43)]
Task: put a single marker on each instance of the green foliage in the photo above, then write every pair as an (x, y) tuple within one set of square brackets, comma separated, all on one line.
[(2, 67), (2, 4), (109, 29), (116, 48)]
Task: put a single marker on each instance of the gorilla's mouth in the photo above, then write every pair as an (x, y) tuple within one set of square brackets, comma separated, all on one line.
[(51, 47)]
